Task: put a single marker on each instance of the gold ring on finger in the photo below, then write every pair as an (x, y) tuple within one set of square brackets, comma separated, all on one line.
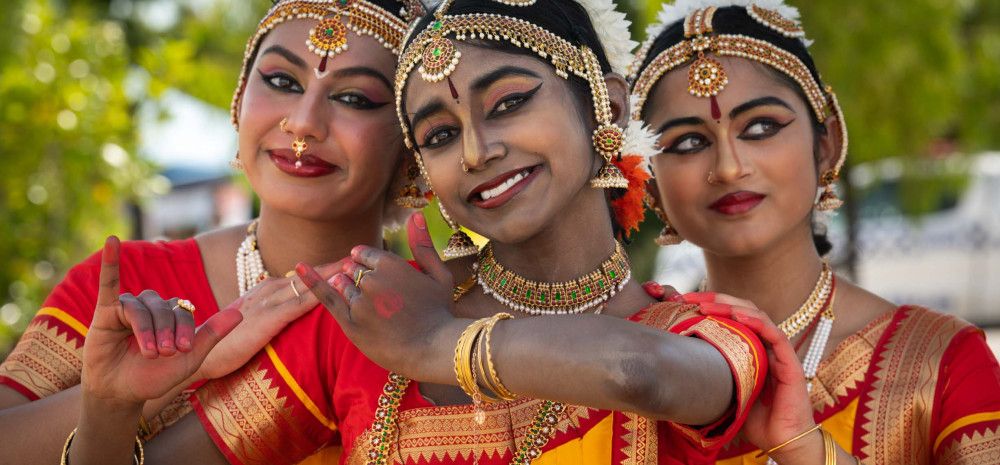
[(294, 289), (186, 305), (359, 276)]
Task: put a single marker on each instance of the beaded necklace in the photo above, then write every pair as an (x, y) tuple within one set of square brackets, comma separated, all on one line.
[(542, 298), (249, 265)]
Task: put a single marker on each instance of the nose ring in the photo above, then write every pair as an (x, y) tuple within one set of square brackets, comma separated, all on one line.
[(711, 177)]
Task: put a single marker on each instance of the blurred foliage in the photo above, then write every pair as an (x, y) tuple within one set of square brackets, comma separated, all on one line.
[(72, 72)]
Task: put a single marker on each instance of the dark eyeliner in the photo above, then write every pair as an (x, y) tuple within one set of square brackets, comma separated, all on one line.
[(523, 96)]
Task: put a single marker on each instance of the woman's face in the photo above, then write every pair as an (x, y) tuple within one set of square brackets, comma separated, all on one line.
[(518, 128), (741, 184), (346, 118)]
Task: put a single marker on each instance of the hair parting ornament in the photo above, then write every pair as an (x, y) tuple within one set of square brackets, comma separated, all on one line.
[(707, 77)]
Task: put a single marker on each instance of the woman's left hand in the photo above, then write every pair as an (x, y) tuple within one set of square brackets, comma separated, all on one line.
[(783, 410), (394, 313)]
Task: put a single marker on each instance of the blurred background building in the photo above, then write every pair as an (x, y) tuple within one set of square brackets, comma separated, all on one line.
[(114, 119)]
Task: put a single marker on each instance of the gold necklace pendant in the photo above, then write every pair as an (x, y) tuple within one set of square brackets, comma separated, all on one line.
[(545, 298), (813, 305)]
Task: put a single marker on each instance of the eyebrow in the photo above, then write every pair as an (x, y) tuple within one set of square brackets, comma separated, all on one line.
[(434, 106), (287, 54), (759, 102), (687, 121), (363, 71), (484, 82)]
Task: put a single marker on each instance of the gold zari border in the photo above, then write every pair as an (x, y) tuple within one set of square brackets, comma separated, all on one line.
[(44, 361)]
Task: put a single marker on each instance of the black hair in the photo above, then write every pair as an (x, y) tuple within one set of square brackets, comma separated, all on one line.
[(564, 18), (736, 21)]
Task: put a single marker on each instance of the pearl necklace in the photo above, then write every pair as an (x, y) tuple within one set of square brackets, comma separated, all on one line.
[(249, 266)]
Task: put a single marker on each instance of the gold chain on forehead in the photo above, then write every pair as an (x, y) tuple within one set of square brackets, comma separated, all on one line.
[(707, 78), (329, 37)]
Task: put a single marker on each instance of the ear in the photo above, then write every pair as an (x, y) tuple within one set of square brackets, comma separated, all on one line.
[(654, 200), (831, 144), (618, 94)]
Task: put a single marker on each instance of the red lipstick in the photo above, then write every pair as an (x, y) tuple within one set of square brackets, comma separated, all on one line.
[(499, 190), (737, 202), (309, 166)]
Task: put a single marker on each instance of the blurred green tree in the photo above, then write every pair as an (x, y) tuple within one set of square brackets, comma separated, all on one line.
[(66, 129)]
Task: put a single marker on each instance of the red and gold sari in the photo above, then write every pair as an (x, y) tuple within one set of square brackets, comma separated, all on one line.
[(914, 387), (312, 388), (48, 357)]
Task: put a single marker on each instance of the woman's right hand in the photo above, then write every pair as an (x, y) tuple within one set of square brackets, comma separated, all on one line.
[(139, 348)]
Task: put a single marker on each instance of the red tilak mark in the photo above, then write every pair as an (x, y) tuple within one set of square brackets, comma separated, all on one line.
[(451, 87), (322, 65), (388, 304), (716, 111)]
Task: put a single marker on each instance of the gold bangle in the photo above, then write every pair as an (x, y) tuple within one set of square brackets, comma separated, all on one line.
[(144, 430), (796, 438), (829, 448), (138, 455), (463, 358), (491, 376), (857, 459), (477, 358)]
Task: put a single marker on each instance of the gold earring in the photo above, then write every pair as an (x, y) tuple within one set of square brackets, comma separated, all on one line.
[(669, 235), (608, 138), (236, 163), (828, 200), (459, 244), (410, 195)]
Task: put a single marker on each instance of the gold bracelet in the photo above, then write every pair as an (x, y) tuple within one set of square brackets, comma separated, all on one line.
[(491, 376), (796, 438), (477, 358), (857, 459), (138, 455), (829, 448)]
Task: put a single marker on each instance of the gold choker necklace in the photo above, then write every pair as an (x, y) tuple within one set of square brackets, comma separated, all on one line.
[(543, 298), (816, 302)]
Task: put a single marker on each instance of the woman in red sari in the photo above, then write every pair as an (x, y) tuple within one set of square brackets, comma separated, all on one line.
[(665, 385), (319, 144), (751, 145), (501, 101)]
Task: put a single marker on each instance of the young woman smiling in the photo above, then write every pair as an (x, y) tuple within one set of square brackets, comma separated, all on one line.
[(319, 144), (751, 145), (549, 352)]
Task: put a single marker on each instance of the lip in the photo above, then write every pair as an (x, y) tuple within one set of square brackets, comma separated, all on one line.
[(502, 199), (736, 203), (311, 166)]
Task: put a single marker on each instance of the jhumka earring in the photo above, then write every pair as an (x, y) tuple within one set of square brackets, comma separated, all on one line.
[(828, 200), (608, 137), (236, 163), (410, 195), (459, 244), (669, 235), (299, 145)]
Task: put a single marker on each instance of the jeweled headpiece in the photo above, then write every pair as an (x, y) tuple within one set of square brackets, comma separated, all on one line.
[(707, 77), (433, 54), (329, 37)]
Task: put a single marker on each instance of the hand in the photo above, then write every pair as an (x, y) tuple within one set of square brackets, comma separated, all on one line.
[(165, 351), (270, 306), (661, 292), (783, 410), (395, 315)]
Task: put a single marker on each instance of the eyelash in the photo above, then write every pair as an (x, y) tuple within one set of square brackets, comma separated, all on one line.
[(775, 128), (519, 100), (288, 85)]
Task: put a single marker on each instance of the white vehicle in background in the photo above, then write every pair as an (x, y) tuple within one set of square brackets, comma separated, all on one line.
[(948, 259)]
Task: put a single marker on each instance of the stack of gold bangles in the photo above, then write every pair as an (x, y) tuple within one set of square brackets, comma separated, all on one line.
[(472, 355)]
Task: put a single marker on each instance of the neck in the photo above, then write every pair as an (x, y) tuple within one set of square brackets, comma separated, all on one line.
[(778, 279), (285, 240), (570, 246)]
